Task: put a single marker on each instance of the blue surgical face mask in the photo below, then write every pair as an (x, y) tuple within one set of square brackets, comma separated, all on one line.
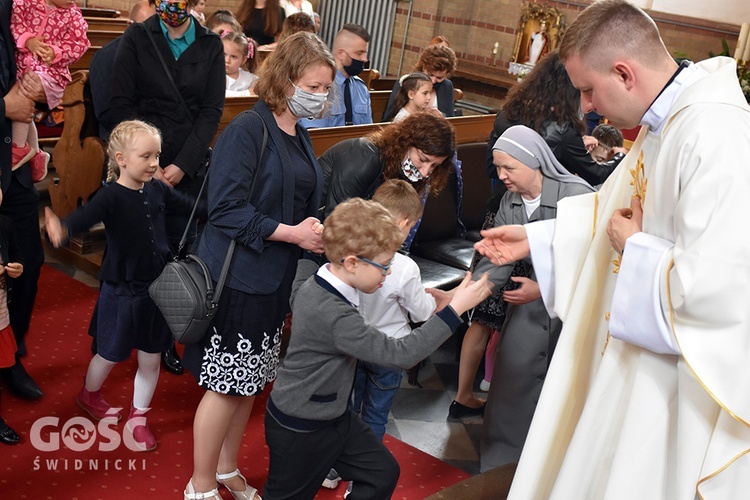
[(410, 171), (304, 104)]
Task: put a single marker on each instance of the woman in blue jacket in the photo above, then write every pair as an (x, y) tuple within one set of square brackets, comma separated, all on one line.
[(271, 224)]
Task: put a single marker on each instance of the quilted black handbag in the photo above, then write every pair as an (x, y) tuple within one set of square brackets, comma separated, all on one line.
[(184, 291)]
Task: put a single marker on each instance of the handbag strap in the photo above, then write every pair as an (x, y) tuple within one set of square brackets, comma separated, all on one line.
[(166, 69), (232, 244)]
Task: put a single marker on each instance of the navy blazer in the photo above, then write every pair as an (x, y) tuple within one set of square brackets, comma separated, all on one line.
[(259, 265)]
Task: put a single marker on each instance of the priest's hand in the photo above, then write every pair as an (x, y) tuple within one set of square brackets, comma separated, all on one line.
[(504, 244), (528, 291), (624, 223)]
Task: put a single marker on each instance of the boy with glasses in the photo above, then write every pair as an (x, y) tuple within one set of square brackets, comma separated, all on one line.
[(308, 411)]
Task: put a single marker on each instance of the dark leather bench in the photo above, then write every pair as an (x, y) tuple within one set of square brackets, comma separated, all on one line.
[(438, 242)]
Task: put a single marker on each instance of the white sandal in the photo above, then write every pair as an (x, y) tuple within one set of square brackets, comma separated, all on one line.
[(249, 493), (191, 494)]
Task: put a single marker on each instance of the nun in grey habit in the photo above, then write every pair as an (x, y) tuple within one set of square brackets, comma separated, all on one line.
[(536, 181)]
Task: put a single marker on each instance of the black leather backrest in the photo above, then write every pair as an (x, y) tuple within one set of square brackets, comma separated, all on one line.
[(440, 220), (477, 186)]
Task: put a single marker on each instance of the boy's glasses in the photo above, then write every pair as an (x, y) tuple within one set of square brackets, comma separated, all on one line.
[(383, 268)]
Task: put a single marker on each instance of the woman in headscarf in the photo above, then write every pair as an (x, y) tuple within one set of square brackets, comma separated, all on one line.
[(536, 181)]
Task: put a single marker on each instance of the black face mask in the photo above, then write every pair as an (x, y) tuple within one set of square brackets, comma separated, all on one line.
[(355, 67)]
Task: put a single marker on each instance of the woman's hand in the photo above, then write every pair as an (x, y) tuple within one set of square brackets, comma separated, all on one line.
[(30, 86), (527, 292), (504, 244), (308, 235), (53, 226), (470, 293), (172, 174), (14, 269), (624, 223)]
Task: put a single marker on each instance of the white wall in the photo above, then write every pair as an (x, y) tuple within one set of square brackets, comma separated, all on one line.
[(725, 11)]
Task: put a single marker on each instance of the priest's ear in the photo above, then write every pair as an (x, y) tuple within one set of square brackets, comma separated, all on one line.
[(625, 73)]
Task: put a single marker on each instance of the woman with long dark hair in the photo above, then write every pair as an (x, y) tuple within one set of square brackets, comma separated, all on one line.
[(418, 149), (261, 20)]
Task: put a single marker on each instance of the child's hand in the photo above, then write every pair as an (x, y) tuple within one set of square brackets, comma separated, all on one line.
[(14, 269), (40, 49), (469, 294), (317, 227), (54, 228), (442, 298)]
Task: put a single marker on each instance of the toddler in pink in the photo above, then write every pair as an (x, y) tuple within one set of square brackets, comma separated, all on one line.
[(49, 35)]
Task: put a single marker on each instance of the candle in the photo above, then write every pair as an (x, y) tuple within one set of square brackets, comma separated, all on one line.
[(742, 40), (746, 54)]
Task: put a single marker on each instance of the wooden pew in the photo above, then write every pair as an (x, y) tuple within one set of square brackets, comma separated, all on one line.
[(78, 161), (378, 103), (84, 62), (107, 23), (100, 12), (468, 129), (236, 105), (100, 38)]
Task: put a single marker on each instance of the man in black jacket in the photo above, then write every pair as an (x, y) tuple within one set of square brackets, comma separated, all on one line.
[(21, 203)]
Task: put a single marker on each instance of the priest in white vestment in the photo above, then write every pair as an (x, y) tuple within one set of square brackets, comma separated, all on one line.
[(648, 394)]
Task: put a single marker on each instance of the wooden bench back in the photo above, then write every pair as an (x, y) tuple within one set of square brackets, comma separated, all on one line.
[(78, 161), (107, 23)]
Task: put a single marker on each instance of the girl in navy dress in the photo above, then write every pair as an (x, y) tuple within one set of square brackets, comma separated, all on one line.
[(132, 209)]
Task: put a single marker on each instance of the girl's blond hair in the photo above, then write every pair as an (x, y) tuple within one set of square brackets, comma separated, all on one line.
[(123, 138)]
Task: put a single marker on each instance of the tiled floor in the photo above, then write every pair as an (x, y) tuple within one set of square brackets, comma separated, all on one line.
[(419, 415)]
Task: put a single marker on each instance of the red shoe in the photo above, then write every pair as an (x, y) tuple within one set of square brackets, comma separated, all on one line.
[(20, 155), (38, 164), (144, 438), (93, 403)]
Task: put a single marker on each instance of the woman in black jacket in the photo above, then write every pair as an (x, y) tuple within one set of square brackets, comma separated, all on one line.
[(185, 105), (419, 149)]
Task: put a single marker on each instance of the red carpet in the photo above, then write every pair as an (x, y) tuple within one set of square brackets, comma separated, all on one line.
[(59, 352)]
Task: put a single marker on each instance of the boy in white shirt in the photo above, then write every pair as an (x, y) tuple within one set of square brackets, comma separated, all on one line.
[(400, 300)]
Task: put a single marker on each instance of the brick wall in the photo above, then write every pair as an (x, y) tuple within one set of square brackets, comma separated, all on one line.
[(473, 27)]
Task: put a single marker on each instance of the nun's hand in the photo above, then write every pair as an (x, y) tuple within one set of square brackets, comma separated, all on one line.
[(504, 244), (528, 291)]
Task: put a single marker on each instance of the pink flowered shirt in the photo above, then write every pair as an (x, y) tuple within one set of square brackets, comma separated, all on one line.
[(64, 29)]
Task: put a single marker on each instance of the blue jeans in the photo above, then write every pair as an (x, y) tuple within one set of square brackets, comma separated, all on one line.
[(375, 387)]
